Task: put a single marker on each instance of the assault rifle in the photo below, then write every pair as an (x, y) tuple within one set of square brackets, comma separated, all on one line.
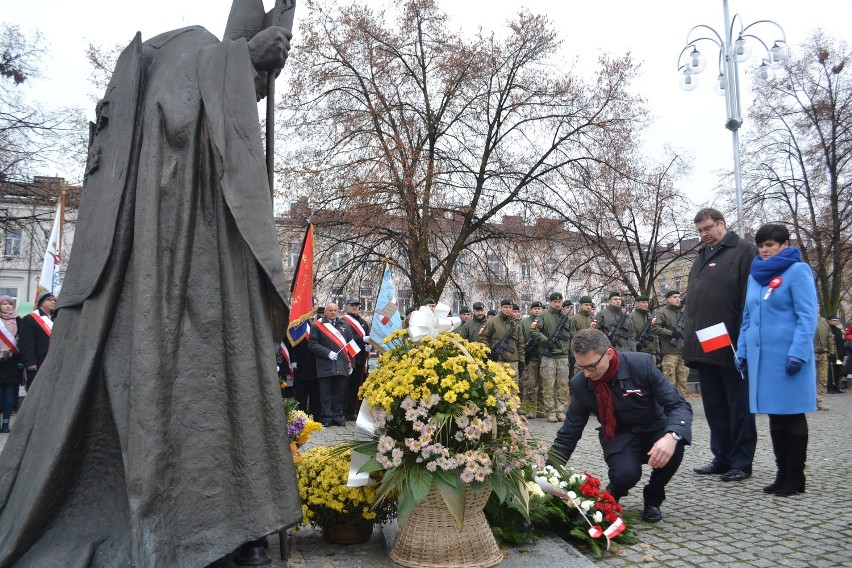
[(551, 341), (530, 350), (649, 320), (681, 323), (619, 334), (499, 349)]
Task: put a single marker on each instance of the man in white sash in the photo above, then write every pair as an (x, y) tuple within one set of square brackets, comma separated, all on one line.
[(361, 334), (34, 335), (329, 336)]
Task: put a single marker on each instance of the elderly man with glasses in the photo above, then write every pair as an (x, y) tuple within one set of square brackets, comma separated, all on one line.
[(643, 417)]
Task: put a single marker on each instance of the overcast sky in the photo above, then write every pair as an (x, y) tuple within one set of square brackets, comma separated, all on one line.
[(654, 31)]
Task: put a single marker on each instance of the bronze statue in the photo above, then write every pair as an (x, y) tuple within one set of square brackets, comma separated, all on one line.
[(154, 435)]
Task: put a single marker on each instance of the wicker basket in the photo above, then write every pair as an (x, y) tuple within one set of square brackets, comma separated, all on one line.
[(430, 539)]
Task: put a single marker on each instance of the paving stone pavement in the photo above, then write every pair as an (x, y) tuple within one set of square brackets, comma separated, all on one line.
[(707, 522)]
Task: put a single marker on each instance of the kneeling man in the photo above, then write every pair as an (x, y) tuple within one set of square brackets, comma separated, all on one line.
[(644, 419)]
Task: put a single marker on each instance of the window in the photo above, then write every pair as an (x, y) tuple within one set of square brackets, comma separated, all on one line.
[(496, 266), (293, 250), (13, 243), (550, 268), (9, 292), (526, 270), (337, 259)]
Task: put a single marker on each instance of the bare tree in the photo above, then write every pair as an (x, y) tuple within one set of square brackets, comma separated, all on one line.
[(29, 134), (423, 138), (798, 167)]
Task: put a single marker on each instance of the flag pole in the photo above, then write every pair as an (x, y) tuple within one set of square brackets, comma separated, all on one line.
[(742, 376), (62, 198)]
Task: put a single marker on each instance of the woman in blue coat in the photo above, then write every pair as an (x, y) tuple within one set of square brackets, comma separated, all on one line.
[(776, 347)]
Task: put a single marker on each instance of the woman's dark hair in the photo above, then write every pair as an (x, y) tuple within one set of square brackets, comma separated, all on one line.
[(772, 232)]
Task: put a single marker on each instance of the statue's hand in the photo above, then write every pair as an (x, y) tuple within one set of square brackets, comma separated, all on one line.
[(269, 48)]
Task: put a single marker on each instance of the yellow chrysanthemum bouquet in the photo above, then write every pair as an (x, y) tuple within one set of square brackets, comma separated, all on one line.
[(446, 415), (326, 500)]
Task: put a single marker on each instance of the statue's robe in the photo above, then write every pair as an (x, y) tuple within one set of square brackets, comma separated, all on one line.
[(153, 434)]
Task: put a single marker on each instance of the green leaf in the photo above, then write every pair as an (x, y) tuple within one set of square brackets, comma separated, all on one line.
[(420, 482), (404, 504), (448, 477), (371, 465), (392, 483), (453, 496)]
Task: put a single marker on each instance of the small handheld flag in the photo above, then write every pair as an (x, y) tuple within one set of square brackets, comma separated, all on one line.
[(713, 337)]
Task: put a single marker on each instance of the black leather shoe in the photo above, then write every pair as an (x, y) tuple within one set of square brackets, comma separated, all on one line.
[(735, 475), (652, 514), (711, 468)]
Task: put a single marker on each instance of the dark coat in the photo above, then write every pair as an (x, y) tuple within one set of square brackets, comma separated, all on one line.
[(360, 358), (306, 363), (661, 407), (33, 342), (716, 294), (10, 373), (321, 345)]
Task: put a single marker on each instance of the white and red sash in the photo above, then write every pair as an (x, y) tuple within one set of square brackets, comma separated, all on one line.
[(8, 339), (335, 336), (355, 325), (285, 355), (44, 322)]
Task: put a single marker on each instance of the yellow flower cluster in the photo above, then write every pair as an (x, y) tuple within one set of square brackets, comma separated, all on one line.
[(456, 370), (322, 476)]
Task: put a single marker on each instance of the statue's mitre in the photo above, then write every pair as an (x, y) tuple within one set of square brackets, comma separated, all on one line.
[(245, 19)]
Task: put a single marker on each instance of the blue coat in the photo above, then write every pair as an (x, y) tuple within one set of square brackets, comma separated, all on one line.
[(780, 326)]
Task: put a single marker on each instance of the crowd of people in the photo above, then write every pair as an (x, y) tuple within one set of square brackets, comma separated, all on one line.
[(781, 359)]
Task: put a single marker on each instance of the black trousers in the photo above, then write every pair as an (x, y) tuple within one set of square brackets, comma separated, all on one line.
[(733, 433), (625, 468), (332, 392)]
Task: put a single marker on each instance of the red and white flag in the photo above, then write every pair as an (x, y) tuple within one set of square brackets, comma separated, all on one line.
[(713, 337), (352, 348)]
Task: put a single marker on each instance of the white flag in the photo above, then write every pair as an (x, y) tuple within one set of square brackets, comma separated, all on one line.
[(50, 280)]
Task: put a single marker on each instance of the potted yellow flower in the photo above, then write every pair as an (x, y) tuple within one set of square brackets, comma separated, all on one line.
[(447, 433), (345, 514)]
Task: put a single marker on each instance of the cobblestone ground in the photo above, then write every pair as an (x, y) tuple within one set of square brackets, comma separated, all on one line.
[(707, 522)]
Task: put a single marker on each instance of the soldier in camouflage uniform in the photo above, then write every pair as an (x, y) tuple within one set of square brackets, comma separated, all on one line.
[(554, 357), (583, 319), (471, 328), (504, 326), (531, 379), (609, 317), (640, 318), (671, 340)]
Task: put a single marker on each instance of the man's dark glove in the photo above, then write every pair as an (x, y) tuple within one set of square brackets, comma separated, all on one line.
[(794, 365), (676, 335)]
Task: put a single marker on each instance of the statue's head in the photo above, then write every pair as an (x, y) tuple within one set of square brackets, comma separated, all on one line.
[(245, 20)]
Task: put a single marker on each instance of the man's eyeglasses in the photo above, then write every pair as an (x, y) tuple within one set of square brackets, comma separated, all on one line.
[(592, 367), (706, 229)]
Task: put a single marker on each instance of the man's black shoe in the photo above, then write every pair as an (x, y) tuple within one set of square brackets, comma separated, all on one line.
[(652, 514), (711, 468), (735, 475)]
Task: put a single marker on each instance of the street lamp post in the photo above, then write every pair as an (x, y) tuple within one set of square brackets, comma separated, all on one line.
[(731, 53)]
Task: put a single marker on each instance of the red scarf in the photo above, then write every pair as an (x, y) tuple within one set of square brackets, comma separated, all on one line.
[(603, 394)]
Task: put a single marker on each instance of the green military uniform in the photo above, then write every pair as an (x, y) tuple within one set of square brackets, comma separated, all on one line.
[(583, 320), (673, 366), (554, 360), (500, 327), (530, 378), (823, 345), (638, 320), (471, 328), (624, 339)]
